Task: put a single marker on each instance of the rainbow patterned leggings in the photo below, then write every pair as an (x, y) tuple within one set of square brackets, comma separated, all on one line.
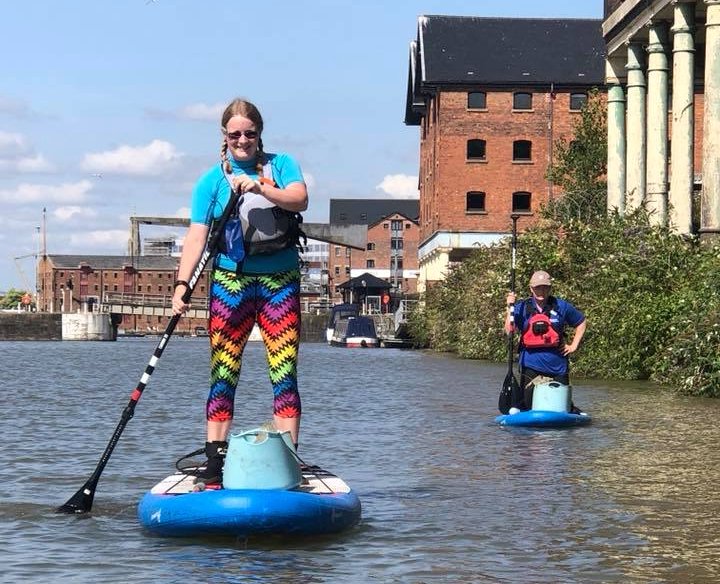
[(237, 302)]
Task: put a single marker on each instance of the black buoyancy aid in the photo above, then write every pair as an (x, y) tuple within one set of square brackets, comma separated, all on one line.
[(540, 332), (266, 228)]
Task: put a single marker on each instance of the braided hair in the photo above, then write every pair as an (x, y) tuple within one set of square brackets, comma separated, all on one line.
[(246, 109)]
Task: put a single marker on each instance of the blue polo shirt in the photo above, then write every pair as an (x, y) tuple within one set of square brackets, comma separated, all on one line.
[(550, 361), (212, 193)]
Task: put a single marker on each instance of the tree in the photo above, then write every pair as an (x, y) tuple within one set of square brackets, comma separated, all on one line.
[(579, 166), (11, 298)]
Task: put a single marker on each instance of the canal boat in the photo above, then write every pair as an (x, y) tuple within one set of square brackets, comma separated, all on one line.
[(347, 328), (265, 491), (551, 408), (339, 313)]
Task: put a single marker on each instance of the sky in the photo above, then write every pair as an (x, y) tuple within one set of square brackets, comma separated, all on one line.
[(111, 108)]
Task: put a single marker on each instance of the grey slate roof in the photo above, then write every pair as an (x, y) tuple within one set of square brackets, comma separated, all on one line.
[(110, 262), (370, 282), (503, 52), (369, 211)]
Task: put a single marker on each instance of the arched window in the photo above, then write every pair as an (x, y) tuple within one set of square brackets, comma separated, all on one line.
[(522, 101), (522, 150), (477, 100), (475, 202), (521, 202), (476, 149)]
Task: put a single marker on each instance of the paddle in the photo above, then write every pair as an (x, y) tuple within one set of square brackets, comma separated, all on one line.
[(81, 502), (510, 386)]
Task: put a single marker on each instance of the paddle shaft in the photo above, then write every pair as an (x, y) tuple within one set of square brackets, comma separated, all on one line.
[(511, 307), (82, 501)]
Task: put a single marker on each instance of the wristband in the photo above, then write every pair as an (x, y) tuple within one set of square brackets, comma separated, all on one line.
[(181, 283)]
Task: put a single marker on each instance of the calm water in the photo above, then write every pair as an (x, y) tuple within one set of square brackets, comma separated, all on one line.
[(447, 495)]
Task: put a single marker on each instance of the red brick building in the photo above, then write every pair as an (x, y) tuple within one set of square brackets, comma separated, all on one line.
[(389, 250), (491, 96), (67, 282)]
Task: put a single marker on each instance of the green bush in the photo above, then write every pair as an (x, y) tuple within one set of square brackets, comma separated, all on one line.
[(649, 296)]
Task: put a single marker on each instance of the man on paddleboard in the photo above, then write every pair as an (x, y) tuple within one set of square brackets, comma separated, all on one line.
[(541, 320)]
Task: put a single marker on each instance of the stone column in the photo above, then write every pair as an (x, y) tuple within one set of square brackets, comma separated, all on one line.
[(682, 146), (616, 136), (636, 145), (710, 205), (657, 123)]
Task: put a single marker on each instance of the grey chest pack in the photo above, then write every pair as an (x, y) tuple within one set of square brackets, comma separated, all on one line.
[(258, 226)]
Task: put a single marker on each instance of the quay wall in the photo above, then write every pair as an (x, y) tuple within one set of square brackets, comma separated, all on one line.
[(33, 326), (45, 326)]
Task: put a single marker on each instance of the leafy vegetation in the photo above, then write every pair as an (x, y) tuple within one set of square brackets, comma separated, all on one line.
[(650, 296), (11, 298)]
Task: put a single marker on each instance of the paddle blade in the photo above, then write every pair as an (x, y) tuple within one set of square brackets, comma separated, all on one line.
[(509, 389), (80, 502)]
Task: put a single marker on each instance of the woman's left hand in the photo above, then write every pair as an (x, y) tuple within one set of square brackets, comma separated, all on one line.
[(245, 184)]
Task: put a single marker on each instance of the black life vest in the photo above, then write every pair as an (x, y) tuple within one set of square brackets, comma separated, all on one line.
[(539, 331), (259, 226)]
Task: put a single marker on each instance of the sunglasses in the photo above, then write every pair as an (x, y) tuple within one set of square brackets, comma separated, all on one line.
[(235, 136)]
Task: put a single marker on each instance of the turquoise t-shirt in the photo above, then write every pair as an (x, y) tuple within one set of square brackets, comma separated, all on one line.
[(212, 193)]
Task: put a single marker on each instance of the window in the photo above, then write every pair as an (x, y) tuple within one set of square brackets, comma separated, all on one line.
[(370, 246), (476, 149), (385, 225), (408, 225), (337, 270), (396, 225), (522, 150), (477, 100), (475, 202), (522, 101), (337, 251), (347, 270), (363, 216), (521, 202), (396, 243), (577, 101), (348, 251), (370, 264)]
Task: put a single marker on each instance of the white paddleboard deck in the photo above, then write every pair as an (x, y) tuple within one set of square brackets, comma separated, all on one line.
[(316, 481)]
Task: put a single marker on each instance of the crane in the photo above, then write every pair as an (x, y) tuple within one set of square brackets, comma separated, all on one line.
[(29, 295)]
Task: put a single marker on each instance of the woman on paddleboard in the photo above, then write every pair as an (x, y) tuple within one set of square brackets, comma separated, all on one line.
[(541, 321), (255, 278)]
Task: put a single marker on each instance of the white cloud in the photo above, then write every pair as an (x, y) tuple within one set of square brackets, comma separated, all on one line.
[(400, 186), (106, 239), (12, 145), (14, 107), (37, 163), (201, 112), (155, 158), (34, 193), (18, 156), (71, 211)]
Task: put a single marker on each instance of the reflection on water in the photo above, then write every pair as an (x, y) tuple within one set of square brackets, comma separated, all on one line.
[(447, 495)]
